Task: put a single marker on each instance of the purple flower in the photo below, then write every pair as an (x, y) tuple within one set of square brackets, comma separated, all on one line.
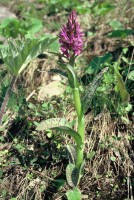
[(70, 37)]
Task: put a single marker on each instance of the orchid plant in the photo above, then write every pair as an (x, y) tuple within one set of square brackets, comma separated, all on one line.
[(71, 41), (19, 53)]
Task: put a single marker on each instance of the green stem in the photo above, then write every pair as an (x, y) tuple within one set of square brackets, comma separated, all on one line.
[(79, 111), (81, 128), (80, 115), (77, 101)]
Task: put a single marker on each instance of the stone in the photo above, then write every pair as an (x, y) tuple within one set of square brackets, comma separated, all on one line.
[(54, 88), (5, 13)]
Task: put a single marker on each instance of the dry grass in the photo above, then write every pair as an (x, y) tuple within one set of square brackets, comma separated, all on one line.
[(101, 173), (104, 178)]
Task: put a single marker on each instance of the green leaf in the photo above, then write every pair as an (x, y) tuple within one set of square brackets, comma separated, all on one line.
[(72, 175), (103, 8), (125, 60), (50, 134), (120, 33), (1, 173), (9, 27), (5, 23), (81, 169), (58, 71), (131, 75), (19, 53), (71, 132), (19, 147), (125, 50), (86, 100), (74, 194), (129, 107), (33, 161), (61, 125), (59, 183), (125, 120), (35, 25), (121, 86), (54, 47), (115, 24), (71, 76), (96, 64), (51, 123), (91, 155), (37, 49), (72, 153), (84, 8), (112, 158)]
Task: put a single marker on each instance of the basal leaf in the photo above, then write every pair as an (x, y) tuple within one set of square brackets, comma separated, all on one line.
[(71, 153), (71, 132), (61, 125), (74, 194), (51, 123), (72, 175)]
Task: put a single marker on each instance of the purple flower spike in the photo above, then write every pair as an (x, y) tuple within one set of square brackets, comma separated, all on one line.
[(70, 37)]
